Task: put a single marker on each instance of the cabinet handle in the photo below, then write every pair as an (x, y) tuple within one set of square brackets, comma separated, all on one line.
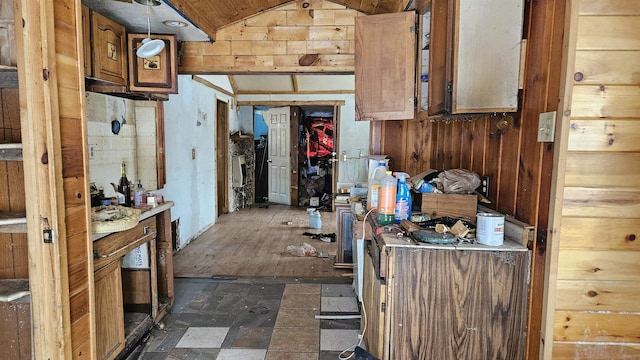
[(145, 230)]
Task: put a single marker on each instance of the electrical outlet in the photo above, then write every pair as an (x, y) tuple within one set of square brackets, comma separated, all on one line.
[(546, 126), (193, 153), (92, 151), (485, 186)]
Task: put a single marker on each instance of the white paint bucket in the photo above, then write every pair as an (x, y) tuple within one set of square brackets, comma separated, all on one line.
[(490, 229)]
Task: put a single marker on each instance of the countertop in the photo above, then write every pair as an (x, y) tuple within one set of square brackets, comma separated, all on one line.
[(391, 240), (144, 215)]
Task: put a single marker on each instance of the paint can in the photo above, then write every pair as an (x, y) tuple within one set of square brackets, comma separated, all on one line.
[(490, 229)]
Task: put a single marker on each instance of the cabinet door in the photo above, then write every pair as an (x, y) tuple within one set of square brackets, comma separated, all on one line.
[(440, 50), (385, 50), (86, 39), (487, 56), (109, 311), (373, 292), (109, 41)]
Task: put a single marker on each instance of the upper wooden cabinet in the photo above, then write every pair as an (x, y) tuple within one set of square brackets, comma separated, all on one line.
[(486, 44), (108, 43), (158, 73), (385, 48), (467, 60)]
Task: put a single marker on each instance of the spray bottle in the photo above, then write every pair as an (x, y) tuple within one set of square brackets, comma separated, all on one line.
[(386, 199), (403, 199), (373, 186)]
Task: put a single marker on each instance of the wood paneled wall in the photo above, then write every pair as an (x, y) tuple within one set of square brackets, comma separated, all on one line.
[(51, 74), (290, 38), (593, 310), (519, 167), (13, 247)]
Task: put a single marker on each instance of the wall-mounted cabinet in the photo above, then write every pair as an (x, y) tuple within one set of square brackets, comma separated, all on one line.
[(157, 74), (108, 43), (482, 57), (112, 67), (385, 47), (465, 56)]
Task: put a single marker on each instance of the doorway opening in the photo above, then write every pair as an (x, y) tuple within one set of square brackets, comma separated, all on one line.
[(312, 154)]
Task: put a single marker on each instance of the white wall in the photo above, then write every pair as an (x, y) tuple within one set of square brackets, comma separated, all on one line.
[(190, 118), (108, 150), (352, 135)]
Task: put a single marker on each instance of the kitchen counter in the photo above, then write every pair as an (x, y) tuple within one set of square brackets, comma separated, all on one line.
[(444, 301), (144, 215)]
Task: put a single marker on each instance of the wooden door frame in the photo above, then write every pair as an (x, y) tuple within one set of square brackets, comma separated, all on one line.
[(336, 104), (222, 152)]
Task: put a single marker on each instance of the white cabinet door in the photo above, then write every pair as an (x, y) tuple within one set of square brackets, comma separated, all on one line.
[(487, 38)]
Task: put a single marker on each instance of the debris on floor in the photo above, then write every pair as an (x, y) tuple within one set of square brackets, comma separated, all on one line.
[(323, 237), (304, 250)]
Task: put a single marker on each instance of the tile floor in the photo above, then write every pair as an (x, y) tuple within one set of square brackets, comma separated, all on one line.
[(262, 319)]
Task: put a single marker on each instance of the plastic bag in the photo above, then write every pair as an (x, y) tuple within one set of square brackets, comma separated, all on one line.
[(459, 181), (304, 250)]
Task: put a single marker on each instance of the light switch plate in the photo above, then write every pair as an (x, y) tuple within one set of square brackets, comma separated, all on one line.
[(546, 126)]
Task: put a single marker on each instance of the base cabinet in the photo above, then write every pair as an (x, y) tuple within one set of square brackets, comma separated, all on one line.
[(436, 302), (109, 311)]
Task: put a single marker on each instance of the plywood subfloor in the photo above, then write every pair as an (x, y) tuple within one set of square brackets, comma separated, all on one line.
[(252, 242)]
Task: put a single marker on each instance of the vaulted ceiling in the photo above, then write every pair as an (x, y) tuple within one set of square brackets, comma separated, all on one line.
[(211, 15), (203, 19)]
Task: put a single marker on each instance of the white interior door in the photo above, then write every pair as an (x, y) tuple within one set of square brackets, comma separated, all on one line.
[(279, 149)]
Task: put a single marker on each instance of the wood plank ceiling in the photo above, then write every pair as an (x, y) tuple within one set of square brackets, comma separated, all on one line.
[(211, 15)]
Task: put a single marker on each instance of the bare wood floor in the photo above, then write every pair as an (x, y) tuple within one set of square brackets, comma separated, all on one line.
[(252, 242)]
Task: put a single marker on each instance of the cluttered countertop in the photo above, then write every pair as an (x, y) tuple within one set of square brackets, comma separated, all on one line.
[(437, 210), (397, 236), (136, 214)]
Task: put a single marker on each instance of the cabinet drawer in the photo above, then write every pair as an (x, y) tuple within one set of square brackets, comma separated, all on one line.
[(114, 246)]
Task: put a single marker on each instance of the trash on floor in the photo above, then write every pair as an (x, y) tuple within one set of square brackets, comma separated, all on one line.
[(304, 250), (323, 237)]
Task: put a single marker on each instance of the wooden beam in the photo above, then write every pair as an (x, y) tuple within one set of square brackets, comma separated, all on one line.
[(291, 103), (39, 107), (204, 82)]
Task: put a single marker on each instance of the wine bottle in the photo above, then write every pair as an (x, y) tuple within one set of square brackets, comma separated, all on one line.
[(123, 185)]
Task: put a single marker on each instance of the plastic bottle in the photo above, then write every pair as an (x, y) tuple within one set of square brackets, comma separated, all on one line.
[(403, 199), (315, 220), (387, 199), (139, 195), (373, 184)]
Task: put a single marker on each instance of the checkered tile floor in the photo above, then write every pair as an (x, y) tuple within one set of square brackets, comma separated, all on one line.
[(255, 320)]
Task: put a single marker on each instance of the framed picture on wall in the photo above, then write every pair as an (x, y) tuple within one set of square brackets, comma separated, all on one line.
[(155, 74)]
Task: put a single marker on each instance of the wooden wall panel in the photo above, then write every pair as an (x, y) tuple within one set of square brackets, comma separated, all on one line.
[(602, 169), (14, 259), (592, 351), (519, 166), (581, 326), (605, 135), (601, 202), (598, 265), (605, 67), (276, 40), (600, 233), (595, 258), (608, 296)]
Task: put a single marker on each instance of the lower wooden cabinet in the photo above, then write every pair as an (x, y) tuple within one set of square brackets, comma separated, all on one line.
[(109, 311), (445, 301)]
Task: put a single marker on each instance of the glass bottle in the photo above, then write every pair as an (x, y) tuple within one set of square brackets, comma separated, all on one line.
[(123, 185)]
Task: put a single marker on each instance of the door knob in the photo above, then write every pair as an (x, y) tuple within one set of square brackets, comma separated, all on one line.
[(269, 161)]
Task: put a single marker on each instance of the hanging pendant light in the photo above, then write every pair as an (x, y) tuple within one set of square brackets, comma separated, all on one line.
[(149, 47)]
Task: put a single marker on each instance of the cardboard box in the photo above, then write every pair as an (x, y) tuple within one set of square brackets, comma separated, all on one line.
[(452, 205)]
